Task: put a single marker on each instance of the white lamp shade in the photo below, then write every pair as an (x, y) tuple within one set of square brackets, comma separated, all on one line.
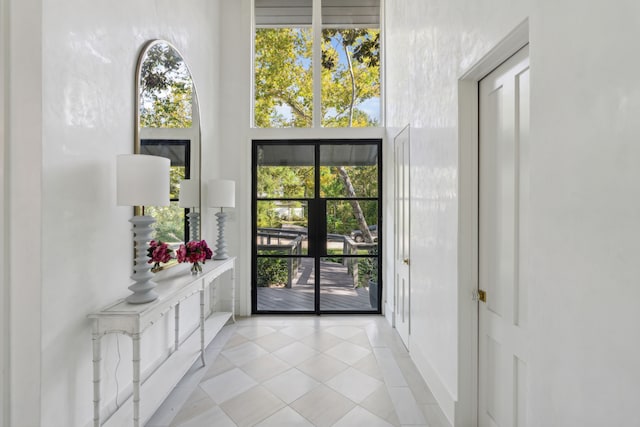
[(142, 180), (221, 193), (189, 193)]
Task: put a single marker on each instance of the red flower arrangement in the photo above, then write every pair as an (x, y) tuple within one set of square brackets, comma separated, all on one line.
[(158, 252), (195, 252)]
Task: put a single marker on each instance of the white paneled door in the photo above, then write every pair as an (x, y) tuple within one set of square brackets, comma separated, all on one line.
[(503, 212), (402, 284)]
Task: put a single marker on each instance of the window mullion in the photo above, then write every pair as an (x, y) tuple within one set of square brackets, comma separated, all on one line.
[(317, 63)]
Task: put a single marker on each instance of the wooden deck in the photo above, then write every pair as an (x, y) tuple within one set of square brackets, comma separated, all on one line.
[(336, 291)]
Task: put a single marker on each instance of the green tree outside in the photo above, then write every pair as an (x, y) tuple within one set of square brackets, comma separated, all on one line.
[(284, 98), (284, 77), (166, 101)]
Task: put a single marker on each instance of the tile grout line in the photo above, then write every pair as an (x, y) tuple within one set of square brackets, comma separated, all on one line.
[(406, 406), (384, 351), (194, 376)]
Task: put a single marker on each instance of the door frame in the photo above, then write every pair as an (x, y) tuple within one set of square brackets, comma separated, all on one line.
[(396, 294), (316, 254), (466, 406)]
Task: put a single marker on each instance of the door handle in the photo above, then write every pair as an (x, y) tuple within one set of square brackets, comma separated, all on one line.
[(405, 261), (480, 295)]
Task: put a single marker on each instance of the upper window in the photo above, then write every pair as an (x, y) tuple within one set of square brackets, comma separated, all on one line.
[(330, 62)]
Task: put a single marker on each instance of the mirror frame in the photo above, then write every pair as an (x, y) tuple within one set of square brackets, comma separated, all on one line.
[(196, 167)]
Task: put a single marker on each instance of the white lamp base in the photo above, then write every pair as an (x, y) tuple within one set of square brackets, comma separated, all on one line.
[(143, 288), (221, 245), (194, 225)]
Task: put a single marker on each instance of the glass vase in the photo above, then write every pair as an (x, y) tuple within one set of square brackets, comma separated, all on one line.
[(196, 268)]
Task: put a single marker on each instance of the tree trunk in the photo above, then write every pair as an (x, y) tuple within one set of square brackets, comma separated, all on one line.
[(344, 175), (353, 84), (357, 210)]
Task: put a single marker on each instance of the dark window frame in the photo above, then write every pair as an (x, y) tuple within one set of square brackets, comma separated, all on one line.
[(186, 143), (318, 234)]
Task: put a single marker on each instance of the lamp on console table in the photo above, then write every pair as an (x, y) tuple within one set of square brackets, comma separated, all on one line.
[(142, 180), (190, 198), (221, 194)]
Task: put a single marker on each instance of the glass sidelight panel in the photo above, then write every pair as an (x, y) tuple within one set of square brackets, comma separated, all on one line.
[(285, 171), (349, 171), (349, 284), (349, 222), (316, 214), (282, 227), (285, 284)]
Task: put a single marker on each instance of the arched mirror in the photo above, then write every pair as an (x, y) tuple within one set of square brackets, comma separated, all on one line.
[(168, 125)]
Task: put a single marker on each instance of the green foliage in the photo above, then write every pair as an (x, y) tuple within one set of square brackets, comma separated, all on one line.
[(368, 267), (284, 77), (285, 181), (176, 174), (284, 82), (350, 182), (272, 271), (169, 226), (297, 182), (166, 101), (166, 90), (363, 178), (345, 86), (267, 217)]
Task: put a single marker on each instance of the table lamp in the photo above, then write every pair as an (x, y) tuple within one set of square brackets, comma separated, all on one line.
[(221, 194), (190, 198), (142, 180)]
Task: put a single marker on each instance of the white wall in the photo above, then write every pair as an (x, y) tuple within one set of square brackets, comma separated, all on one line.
[(72, 111), (585, 105), (237, 134), (234, 142), (4, 275), (584, 247), (24, 189)]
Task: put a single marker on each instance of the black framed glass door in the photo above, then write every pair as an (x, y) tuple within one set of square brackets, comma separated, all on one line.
[(316, 215)]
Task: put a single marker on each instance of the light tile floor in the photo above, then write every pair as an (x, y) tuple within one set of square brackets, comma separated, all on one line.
[(278, 371)]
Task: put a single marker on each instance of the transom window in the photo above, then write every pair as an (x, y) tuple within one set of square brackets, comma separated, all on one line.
[(317, 63)]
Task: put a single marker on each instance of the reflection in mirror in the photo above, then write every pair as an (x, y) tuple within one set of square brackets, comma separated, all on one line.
[(166, 88), (170, 226), (168, 125)]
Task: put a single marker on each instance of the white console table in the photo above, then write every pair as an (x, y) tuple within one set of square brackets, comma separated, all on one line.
[(133, 319)]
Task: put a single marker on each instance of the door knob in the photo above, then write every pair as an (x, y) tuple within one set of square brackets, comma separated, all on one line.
[(405, 261)]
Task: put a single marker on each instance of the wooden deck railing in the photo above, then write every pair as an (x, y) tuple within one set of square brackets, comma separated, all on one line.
[(279, 241), (292, 247)]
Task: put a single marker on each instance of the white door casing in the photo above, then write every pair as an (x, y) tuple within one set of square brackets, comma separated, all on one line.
[(503, 197), (402, 246)]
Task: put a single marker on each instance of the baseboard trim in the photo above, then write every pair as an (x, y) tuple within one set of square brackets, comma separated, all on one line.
[(445, 399)]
